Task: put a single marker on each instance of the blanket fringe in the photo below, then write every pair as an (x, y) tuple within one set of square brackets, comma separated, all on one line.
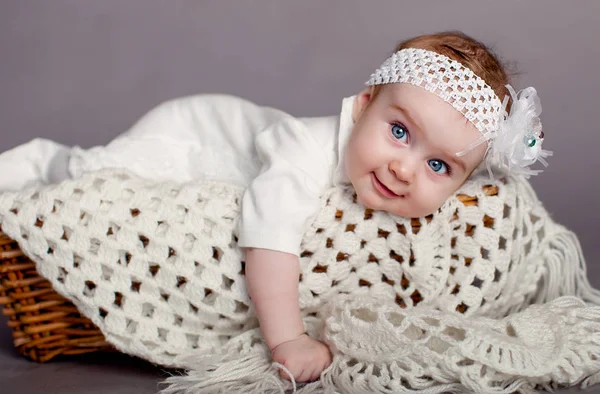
[(249, 370), (231, 373), (566, 271)]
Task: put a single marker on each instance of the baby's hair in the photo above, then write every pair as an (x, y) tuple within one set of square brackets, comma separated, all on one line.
[(465, 50)]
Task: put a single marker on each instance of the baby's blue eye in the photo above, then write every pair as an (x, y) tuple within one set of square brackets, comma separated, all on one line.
[(438, 166), (399, 132)]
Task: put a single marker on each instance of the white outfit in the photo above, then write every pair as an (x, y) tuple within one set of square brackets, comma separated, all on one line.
[(286, 163)]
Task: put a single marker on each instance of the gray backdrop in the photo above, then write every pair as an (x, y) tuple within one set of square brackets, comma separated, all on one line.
[(82, 71)]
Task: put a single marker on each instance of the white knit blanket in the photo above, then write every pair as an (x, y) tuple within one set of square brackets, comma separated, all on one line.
[(438, 304)]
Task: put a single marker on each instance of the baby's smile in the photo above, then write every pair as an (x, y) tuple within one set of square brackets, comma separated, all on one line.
[(383, 189)]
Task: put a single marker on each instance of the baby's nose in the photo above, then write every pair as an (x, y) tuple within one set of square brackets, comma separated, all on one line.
[(403, 170)]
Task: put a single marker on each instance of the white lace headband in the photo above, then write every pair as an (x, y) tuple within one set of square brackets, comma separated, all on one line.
[(514, 139)]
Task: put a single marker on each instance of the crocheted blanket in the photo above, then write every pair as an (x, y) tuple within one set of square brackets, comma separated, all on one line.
[(435, 304)]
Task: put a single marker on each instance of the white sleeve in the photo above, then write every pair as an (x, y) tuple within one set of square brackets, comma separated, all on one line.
[(37, 162), (280, 202)]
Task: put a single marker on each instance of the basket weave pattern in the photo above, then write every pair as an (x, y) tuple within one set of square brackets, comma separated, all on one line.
[(44, 324)]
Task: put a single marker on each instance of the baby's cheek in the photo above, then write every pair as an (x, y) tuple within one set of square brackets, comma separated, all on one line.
[(351, 164), (364, 199), (424, 202), (437, 200), (360, 156), (367, 198)]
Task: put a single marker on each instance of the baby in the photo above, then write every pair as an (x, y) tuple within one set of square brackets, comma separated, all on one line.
[(430, 115), (405, 150)]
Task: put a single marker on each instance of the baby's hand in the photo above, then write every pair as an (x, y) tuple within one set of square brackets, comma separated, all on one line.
[(304, 357)]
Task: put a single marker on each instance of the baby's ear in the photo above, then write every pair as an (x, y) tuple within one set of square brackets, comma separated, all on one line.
[(360, 102)]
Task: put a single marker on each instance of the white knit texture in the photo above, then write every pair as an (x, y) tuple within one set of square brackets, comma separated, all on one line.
[(156, 267), (448, 79)]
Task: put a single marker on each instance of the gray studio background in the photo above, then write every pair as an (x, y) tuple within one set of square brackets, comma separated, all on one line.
[(82, 71)]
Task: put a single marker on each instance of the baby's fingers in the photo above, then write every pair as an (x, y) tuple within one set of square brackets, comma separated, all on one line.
[(284, 374), (303, 375), (309, 374), (316, 374)]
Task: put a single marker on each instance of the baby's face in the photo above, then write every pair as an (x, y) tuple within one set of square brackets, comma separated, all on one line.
[(401, 156)]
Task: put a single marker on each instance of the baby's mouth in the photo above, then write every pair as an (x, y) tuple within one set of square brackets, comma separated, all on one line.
[(383, 189)]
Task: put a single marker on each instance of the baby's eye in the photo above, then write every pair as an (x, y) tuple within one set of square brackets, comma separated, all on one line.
[(438, 166), (399, 132)]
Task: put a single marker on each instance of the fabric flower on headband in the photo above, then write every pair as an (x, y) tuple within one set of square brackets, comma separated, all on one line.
[(518, 143)]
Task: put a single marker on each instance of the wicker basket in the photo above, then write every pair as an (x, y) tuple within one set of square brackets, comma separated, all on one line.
[(46, 324)]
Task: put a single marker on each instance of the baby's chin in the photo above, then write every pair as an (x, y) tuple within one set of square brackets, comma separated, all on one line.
[(404, 209), (411, 212)]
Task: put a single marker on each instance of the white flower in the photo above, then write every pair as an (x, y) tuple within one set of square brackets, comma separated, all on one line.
[(518, 142)]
